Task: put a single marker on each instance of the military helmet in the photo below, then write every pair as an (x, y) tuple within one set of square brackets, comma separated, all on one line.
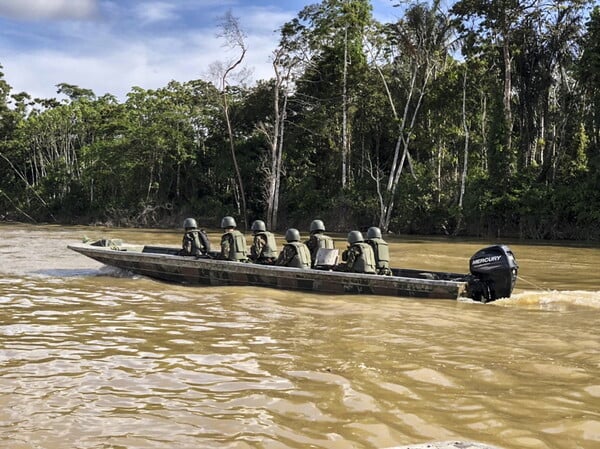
[(258, 225), (317, 225), (355, 237), (228, 222), (374, 233), (189, 223), (292, 235)]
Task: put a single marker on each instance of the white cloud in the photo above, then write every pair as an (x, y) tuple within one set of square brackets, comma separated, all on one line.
[(108, 57), (132, 43), (149, 63), (49, 9), (150, 12)]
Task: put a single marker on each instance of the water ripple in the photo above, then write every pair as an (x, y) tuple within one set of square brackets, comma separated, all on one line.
[(91, 360)]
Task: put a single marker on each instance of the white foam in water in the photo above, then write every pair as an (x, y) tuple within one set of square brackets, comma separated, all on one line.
[(553, 299), (114, 272)]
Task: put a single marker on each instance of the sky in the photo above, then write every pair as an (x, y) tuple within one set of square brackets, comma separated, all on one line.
[(110, 46)]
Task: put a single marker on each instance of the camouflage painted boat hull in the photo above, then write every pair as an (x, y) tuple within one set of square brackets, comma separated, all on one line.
[(163, 264)]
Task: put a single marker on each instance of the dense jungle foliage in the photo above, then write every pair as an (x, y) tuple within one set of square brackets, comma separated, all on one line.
[(483, 119)]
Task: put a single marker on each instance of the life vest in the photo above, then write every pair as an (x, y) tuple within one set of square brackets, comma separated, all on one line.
[(317, 241), (302, 257), (381, 251), (237, 249), (323, 241), (270, 250), (365, 261), (199, 237)]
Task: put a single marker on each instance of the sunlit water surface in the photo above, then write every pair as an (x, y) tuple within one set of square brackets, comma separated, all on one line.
[(92, 357)]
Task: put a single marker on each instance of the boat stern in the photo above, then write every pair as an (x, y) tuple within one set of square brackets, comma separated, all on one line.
[(493, 273)]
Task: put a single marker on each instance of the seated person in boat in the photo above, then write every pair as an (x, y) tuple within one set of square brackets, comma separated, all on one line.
[(195, 241), (381, 251), (317, 239), (233, 242), (294, 252), (359, 257), (264, 247)]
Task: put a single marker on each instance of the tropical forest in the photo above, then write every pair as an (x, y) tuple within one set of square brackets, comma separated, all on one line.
[(478, 118)]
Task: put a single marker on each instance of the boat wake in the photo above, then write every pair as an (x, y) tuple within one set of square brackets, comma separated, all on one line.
[(85, 272), (555, 300), (115, 272)]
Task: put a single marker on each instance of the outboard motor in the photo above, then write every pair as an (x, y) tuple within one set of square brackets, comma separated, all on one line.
[(494, 270)]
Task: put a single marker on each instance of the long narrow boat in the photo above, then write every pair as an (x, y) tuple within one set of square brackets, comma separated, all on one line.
[(493, 273)]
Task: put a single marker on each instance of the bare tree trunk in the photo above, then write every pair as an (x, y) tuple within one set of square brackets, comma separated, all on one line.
[(463, 176), (345, 149), (483, 131), (231, 30), (238, 174), (507, 95), (421, 46), (279, 167), (405, 141), (272, 171), (397, 165), (29, 186), (151, 177), (283, 67), (17, 207), (439, 144), (274, 149), (397, 168)]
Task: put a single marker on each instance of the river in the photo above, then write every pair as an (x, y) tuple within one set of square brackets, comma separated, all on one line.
[(92, 357)]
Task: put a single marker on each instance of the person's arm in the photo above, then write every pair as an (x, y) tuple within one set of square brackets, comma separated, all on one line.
[(225, 246), (353, 254), (186, 246), (311, 243), (196, 246), (256, 248), (260, 246), (279, 258), (285, 256), (205, 242)]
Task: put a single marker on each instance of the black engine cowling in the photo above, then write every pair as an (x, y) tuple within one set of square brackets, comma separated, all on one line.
[(494, 273)]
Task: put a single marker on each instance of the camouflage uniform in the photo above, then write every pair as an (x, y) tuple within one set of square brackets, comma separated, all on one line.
[(233, 246), (195, 243), (382, 255), (294, 254), (318, 240), (263, 249), (359, 258)]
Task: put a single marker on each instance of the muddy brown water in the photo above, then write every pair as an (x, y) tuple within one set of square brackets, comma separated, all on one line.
[(93, 357)]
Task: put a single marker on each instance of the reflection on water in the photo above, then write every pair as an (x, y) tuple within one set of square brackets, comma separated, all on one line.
[(91, 357)]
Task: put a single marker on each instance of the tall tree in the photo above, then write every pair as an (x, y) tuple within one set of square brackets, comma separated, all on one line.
[(417, 47), (333, 32), (284, 64), (588, 74), (11, 178), (547, 42), (234, 38), (489, 26)]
